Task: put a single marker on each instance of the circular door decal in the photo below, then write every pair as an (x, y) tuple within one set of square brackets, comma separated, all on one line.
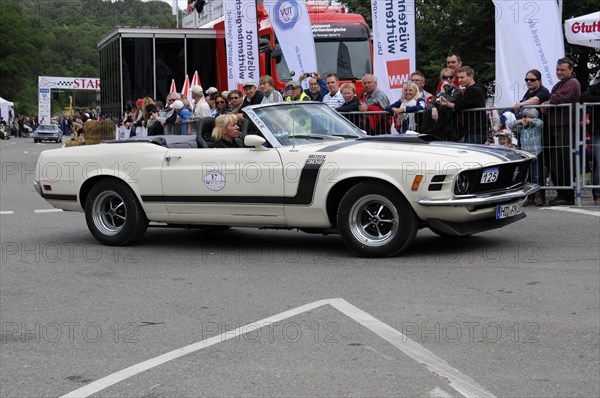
[(214, 180)]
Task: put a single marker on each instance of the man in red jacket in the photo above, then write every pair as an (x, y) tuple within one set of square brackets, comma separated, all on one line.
[(566, 91)]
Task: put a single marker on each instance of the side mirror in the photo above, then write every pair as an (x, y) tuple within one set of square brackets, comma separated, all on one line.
[(255, 141)]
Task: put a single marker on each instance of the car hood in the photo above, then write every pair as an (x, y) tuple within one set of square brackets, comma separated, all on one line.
[(420, 146)]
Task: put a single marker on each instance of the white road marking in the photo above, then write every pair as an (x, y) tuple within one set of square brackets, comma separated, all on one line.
[(379, 353), (5, 212), (439, 393), (568, 209), (47, 211), (460, 382)]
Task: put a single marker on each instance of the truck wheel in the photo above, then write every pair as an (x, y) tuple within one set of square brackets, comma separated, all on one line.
[(376, 221), (113, 214)]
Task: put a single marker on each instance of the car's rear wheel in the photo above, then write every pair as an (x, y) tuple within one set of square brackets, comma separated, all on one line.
[(113, 214), (376, 220)]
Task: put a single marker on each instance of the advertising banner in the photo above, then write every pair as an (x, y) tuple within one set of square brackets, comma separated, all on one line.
[(292, 27), (528, 36), (584, 31), (48, 83), (241, 42), (394, 44)]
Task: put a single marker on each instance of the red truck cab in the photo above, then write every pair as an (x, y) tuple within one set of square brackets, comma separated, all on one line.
[(342, 42)]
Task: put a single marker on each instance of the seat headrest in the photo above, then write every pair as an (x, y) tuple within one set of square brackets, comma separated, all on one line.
[(205, 128)]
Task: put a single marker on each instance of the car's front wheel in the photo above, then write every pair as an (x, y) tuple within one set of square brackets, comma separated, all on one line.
[(376, 220), (113, 214)]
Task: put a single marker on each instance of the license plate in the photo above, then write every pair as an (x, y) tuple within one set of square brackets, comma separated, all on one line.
[(489, 175), (505, 211)]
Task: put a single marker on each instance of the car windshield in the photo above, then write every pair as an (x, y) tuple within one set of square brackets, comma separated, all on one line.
[(296, 124), (47, 127)]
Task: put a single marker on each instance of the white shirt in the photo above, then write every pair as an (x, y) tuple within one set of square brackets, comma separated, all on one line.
[(201, 109), (334, 101)]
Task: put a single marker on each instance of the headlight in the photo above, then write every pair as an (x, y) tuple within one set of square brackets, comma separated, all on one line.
[(462, 183)]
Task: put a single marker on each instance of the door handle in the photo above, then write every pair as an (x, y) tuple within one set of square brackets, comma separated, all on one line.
[(168, 159)]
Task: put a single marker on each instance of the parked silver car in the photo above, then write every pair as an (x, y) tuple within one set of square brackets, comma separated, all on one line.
[(48, 132)]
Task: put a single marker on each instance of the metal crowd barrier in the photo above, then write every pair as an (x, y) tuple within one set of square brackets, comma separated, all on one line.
[(373, 123), (186, 128), (589, 137)]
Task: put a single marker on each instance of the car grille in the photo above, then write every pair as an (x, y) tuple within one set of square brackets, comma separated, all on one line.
[(511, 175)]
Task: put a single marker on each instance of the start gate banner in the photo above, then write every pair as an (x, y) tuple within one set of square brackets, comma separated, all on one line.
[(528, 36), (292, 27), (394, 44), (241, 42)]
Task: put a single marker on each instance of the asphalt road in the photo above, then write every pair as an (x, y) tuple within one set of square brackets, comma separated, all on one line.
[(512, 312)]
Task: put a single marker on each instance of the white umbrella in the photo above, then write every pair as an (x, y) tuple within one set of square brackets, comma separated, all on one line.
[(584, 30)]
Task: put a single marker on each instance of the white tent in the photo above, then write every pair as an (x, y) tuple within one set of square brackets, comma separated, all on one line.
[(584, 30), (5, 107)]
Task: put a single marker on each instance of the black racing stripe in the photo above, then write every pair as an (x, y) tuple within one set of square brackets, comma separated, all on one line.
[(209, 199), (306, 186), (68, 198), (304, 195), (500, 153), (341, 145)]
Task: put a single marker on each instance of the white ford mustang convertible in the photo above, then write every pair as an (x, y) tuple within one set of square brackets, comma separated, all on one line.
[(304, 167)]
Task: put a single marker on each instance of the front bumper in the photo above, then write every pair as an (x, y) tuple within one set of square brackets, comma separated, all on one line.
[(484, 198), (45, 136)]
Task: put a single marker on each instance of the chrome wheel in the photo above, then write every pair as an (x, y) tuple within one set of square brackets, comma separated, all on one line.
[(378, 224), (373, 220), (113, 213), (109, 213)]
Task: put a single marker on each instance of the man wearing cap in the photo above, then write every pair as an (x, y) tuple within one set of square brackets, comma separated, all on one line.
[(253, 96), (201, 107), (297, 93), (211, 91)]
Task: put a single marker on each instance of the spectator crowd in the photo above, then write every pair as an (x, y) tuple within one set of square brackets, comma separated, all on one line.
[(455, 112)]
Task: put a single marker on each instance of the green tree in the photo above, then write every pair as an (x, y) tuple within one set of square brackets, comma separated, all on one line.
[(58, 38)]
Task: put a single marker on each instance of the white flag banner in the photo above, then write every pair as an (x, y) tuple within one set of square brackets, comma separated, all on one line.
[(292, 27), (394, 44), (241, 42), (174, 7), (528, 36)]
